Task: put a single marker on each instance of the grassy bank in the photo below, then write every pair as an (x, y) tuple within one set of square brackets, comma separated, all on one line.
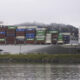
[(40, 58)]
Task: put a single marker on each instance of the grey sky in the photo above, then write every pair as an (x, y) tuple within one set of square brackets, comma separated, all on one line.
[(46, 11)]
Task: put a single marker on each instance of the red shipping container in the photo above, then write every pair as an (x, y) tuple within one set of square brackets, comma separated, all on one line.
[(2, 36), (2, 42), (20, 34), (13, 30), (30, 42), (56, 36), (3, 28), (10, 33), (54, 40), (40, 42), (10, 42), (30, 31), (10, 38), (19, 41)]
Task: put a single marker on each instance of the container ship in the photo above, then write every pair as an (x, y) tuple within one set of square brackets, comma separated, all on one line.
[(22, 39)]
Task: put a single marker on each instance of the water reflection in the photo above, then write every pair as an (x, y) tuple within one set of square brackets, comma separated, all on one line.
[(65, 73), (39, 72)]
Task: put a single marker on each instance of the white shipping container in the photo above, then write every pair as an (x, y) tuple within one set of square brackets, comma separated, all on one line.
[(40, 36), (48, 41), (40, 28), (48, 38), (21, 27), (48, 35), (60, 42), (31, 26), (20, 37), (65, 33)]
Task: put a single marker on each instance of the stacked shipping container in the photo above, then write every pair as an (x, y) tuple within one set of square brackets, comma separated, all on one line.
[(54, 36), (40, 35), (20, 35), (66, 37), (30, 35), (10, 35), (2, 35), (48, 38), (60, 39)]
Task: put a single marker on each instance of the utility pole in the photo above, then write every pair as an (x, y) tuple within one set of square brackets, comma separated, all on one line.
[(20, 49)]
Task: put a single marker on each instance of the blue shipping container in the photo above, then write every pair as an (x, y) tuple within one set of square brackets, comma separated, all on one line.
[(20, 29), (39, 27), (66, 39), (30, 34), (2, 32)]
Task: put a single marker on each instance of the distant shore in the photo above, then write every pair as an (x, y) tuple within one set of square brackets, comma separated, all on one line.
[(41, 58)]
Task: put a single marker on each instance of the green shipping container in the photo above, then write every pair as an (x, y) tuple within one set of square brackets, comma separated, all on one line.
[(60, 37), (40, 33), (11, 27), (2, 39), (52, 31), (30, 39), (40, 39)]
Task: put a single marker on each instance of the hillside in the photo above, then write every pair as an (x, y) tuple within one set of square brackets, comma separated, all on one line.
[(54, 26)]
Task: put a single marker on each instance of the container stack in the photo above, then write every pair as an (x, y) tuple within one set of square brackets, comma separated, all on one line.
[(54, 36), (66, 37), (20, 35), (48, 38), (40, 35), (2, 35), (10, 35), (60, 39), (30, 35)]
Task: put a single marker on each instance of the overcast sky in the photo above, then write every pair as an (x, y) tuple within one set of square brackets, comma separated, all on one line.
[(44, 11)]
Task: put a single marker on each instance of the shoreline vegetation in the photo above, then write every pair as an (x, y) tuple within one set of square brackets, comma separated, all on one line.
[(40, 58)]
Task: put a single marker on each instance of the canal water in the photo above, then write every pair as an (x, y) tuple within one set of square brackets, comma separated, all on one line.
[(39, 72)]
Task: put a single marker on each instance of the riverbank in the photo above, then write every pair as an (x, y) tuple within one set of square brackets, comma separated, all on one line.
[(41, 58)]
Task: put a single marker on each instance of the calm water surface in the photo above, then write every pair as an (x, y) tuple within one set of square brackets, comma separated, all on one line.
[(39, 72)]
